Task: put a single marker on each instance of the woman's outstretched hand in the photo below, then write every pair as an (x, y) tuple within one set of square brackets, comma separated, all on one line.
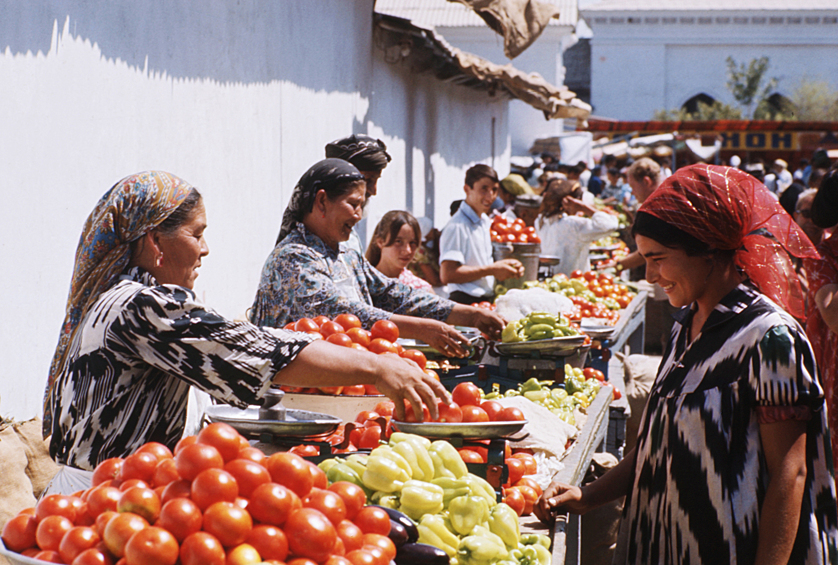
[(401, 379)]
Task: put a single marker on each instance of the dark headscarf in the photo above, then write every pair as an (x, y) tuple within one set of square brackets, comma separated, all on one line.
[(825, 204), (324, 175), (366, 153)]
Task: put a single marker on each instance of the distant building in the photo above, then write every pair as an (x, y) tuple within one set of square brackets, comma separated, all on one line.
[(649, 55)]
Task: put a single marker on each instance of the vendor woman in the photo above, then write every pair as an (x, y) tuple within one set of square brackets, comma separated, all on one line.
[(311, 273), (135, 337)]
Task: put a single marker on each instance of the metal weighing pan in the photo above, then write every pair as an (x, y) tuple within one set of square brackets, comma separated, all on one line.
[(17, 558), (566, 343), (597, 331), (466, 430), (296, 422)]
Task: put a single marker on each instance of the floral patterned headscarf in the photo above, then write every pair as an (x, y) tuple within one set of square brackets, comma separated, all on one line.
[(125, 213), (728, 209)]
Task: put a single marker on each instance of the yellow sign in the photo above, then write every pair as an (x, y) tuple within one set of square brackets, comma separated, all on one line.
[(761, 140)]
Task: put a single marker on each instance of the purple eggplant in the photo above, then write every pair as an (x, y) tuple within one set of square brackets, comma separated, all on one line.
[(398, 533), (421, 554), (404, 520)]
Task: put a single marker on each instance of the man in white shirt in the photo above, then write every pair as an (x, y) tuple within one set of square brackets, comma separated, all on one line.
[(465, 245), (782, 174)]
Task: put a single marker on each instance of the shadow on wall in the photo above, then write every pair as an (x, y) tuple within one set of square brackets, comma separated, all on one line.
[(247, 41)]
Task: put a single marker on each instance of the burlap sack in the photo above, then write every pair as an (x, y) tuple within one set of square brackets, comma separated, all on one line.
[(15, 487), (600, 527), (41, 468)]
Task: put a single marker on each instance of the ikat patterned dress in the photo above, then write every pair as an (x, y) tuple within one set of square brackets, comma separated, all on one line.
[(701, 477), (305, 278), (131, 362)]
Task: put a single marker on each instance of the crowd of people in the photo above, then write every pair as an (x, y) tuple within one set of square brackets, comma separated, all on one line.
[(734, 457)]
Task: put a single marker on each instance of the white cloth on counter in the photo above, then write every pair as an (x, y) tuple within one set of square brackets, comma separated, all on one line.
[(517, 303), (569, 237)]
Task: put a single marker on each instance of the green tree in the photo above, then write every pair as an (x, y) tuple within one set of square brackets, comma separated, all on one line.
[(749, 85), (814, 100), (704, 112)]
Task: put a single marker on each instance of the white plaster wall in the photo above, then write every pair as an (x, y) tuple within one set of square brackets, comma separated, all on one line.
[(237, 99), (638, 69)]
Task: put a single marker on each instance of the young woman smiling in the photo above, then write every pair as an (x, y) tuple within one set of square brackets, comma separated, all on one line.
[(732, 461), (394, 244)]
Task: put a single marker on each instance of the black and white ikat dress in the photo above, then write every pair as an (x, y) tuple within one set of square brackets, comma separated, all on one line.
[(141, 345), (700, 476)]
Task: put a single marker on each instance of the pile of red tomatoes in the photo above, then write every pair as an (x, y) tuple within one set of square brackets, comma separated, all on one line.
[(516, 231)]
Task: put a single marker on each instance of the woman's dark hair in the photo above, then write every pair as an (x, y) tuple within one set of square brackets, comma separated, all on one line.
[(557, 189), (666, 234), (479, 171), (334, 191), (388, 230), (182, 214), (825, 204)]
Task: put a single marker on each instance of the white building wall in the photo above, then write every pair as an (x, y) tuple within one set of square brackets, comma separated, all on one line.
[(638, 68), (239, 100)]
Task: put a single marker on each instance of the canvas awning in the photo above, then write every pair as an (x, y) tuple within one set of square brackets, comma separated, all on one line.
[(423, 51)]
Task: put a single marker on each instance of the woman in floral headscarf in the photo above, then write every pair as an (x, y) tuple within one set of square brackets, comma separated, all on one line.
[(135, 337), (732, 462)]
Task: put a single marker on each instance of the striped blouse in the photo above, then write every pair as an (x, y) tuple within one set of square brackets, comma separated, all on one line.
[(136, 352), (700, 478)]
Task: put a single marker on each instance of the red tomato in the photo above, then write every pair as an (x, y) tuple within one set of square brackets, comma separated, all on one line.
[(291, 471), (385, 408), (269, 541), (360, 336), (384, 543), (253, 454), (352, 495), (183, 442), (530, 466), (511, 413), (202, 548), (102, 521), (529, 482), (106, 470), (48, 555), (176, 489), (449, 413), (223, 437), (243, 554), (466, 394), (181, 517), (373, 520), (318, 476), (310, 534), (469, 456), (142, 501), (92, 556), (385, 329), (272, 503), (152, 546), (433, 374), (197, 457), (493, 408), (377, 553), (416, 356), (516, 469), (348, 321), (138, 465), (354, 390), (351, 536), (329, 503), (361, 557), (248, 475), (157, 449), (56, 505), (515, 500), (131, 483), (19, 532), (214, 485), (474, 414), (328, 328), (530, 497), (228, 522), (340, 339), (381, 345), (370, 438), (290, 326), (617, 394), (306, 325), (410, 416), (119, 530), (365, 415), (320, 320), (101, 499), (165, 472), (305, 450), (315, 335), (337, 560)]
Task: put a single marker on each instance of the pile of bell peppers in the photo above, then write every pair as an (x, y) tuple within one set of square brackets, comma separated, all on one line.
[(456, 511)]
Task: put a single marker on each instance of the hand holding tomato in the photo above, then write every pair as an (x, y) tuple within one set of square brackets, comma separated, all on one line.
[(402, 380)]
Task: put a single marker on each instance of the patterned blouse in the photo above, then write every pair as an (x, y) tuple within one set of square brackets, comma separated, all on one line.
[(305, 278), (820, 273), (131, 363), (701, 476), (411, 280)]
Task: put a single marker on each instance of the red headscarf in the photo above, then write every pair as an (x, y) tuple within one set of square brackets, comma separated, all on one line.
[(729, 209)]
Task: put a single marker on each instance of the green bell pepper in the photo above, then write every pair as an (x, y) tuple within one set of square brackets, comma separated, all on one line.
[(419, 498), (510, 333), (479, 487), (450, 459), (385, 499), (343, 472), (384, 473), (503, 522), (417, 456), (452, 488), (465, 512), (532, 539), (327, 464), (479, 550)]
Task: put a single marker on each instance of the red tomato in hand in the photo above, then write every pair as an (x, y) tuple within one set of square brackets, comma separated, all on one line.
[(385, 329), (449, 413), (466, 394), (409, 416), (348, 321)]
